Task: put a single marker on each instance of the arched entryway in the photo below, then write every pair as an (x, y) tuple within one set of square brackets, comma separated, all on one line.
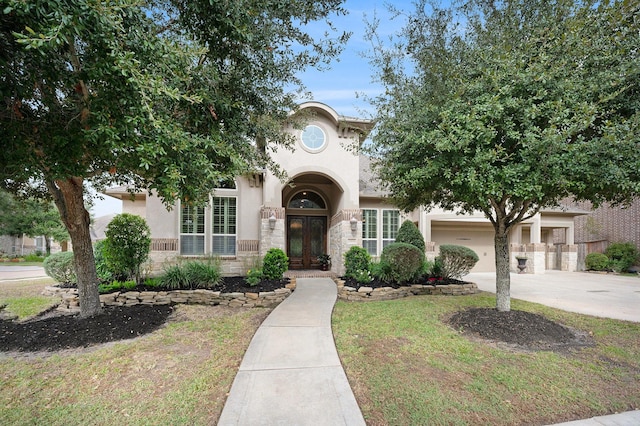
[(307, 213)]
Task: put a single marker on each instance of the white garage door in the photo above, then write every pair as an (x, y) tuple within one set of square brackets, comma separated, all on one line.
[(477, 238)]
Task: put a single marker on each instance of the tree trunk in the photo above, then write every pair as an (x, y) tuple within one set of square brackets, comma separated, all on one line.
[(68, 195), (503, 276), (47, 245)]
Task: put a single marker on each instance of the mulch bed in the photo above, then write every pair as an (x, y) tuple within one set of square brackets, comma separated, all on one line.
[(520, 329), (53, 332), (376, 283)]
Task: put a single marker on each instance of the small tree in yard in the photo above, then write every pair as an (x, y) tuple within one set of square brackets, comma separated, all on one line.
[(127, 245), (166, 96), (509, 107)]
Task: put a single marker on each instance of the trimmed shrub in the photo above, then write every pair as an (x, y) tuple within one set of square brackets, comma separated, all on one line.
[(404, 261), (409, 233), (356, 259), (621, 256), (127, 245), (60, 267), (456, 261), (596, 262), (274, 264)]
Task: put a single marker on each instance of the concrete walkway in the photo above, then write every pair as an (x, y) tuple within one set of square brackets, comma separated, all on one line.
[(601, 295), (291, 373)]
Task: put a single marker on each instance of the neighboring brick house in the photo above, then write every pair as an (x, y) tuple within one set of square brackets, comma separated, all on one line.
[(330, 203), (607, 224)]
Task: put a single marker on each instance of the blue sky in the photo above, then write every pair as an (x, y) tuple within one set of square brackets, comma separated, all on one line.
[(349, 75)]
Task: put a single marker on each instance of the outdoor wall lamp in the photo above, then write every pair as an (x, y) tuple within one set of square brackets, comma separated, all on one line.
[(272, 221), (354, 223)]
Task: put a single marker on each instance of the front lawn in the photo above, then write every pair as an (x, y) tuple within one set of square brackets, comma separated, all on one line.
[(407, 367)]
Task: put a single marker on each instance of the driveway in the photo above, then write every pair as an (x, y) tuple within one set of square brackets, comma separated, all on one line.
[(12, 273), (601, 295)]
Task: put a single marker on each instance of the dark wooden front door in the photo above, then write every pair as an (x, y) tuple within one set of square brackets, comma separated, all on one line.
[(306, 240)]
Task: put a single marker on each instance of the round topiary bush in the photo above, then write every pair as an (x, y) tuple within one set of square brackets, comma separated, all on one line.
[(596, 262), (622, 256), (274, 264), (403, 260), (456, 261), (127, 245), (60, 267), (409, 233), (356, 260)]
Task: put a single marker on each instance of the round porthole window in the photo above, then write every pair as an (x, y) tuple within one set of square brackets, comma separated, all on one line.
[(313, 138)]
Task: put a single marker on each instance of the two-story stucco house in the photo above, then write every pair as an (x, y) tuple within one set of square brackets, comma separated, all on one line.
[(329, 203)]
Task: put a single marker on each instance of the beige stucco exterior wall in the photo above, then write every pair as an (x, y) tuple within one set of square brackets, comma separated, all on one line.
[(335, 161), (163, 223)]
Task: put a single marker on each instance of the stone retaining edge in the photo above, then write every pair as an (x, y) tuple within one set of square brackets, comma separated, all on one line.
[(70, 302), (389, 293)]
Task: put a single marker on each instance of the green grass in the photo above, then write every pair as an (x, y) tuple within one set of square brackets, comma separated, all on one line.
[(405, 365), (409, 368), (178, 375), (25, 307), (23, 297)]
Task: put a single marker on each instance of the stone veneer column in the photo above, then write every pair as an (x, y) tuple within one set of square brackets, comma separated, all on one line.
[(272, 238), (537, 258), (536, 255), (342, 238), (569, 260)]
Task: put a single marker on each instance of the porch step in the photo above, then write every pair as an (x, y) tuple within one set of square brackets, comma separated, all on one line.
[(309, 273)]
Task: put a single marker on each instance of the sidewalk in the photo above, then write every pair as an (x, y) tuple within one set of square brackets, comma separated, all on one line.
[(630, 418), (291, 373)]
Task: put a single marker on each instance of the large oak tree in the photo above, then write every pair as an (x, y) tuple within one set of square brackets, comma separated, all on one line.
[(507, 107), (167, 95)]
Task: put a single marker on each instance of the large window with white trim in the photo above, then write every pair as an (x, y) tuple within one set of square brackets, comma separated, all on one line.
[(390, 226), (224, 224), (191, 230), (370, 231), (379, 229)]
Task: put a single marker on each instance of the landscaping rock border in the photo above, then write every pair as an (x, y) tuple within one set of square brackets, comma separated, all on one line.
[(364, 294), (71, 304)]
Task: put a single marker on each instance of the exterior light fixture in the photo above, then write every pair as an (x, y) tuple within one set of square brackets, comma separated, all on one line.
[(354, 223), (272, 221)]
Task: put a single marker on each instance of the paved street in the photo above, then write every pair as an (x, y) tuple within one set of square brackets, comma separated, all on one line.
[(602, 295), (13, 272)]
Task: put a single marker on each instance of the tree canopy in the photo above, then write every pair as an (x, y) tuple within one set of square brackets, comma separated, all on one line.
[(31, 217), (509, 107), (166, 95)]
